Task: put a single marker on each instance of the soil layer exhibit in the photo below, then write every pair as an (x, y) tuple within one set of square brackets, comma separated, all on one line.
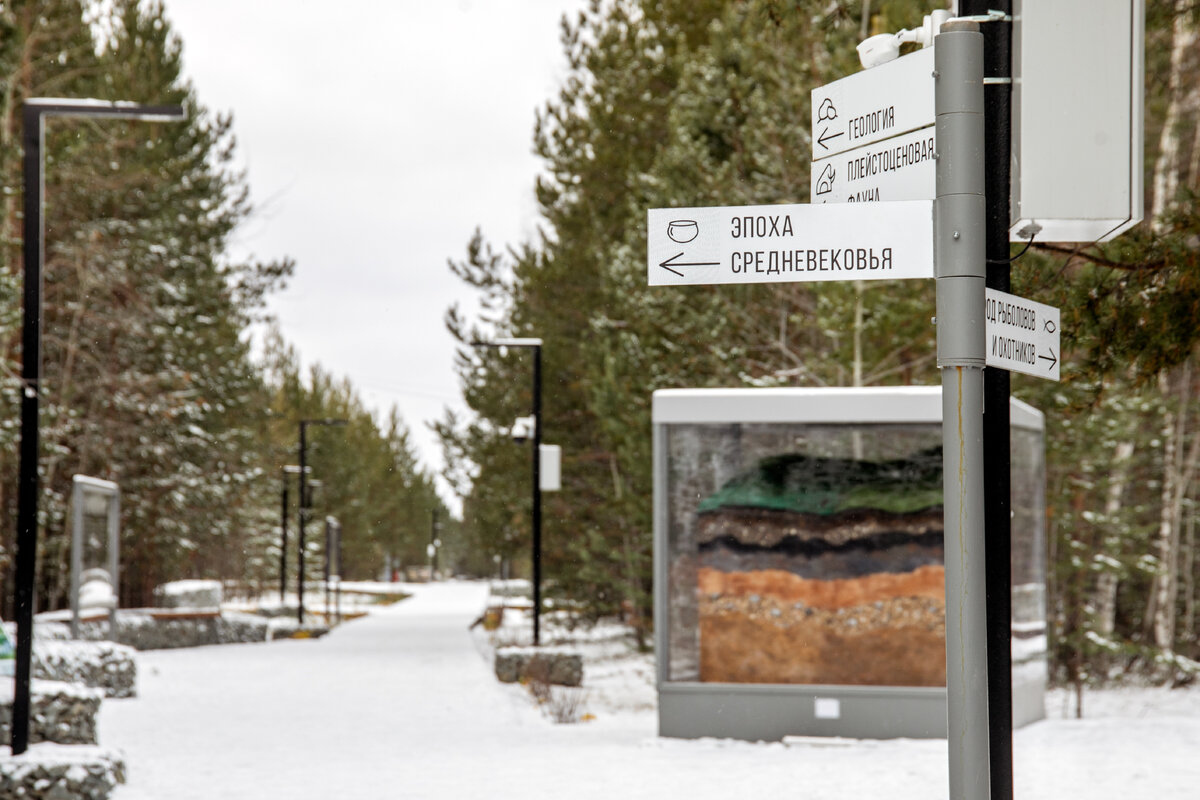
[(815, 570), (770, 626)]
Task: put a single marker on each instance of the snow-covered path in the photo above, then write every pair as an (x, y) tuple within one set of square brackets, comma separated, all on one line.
[(402, 704)]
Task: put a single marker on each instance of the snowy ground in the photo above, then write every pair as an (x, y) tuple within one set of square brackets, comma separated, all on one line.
[(402, 703)]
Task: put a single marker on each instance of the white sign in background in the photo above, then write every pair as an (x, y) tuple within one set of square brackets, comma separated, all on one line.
[(790, 243), (900, 168), (873, 105), (1022, 335)]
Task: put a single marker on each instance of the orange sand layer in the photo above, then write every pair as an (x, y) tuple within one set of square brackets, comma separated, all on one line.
[(925, 582), (900, 642)]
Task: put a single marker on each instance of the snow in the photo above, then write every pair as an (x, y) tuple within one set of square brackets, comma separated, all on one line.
[(402, 703)]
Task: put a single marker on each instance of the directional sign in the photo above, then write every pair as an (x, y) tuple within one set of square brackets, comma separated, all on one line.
[(900, 168), (873, 105), (1022, 336), (790, 243)]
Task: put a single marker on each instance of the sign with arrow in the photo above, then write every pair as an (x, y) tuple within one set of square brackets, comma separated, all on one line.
[(900, 168), (1022, 336), (873, 105), (790, 243)]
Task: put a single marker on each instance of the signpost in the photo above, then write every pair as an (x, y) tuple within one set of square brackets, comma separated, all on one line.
[(790, 243), (873, 105), (885, 142), (1022, 336)]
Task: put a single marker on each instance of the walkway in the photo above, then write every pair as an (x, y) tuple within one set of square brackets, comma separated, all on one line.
[(401, 704)]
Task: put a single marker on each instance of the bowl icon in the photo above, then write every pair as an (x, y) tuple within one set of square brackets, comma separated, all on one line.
[(682, 230)]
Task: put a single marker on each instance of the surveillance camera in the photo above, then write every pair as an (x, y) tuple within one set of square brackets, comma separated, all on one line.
[(886, 46), (878, 50), (522, 429)]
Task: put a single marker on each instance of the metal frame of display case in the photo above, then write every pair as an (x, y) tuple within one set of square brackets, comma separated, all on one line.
[(83, 486), (769, 712)]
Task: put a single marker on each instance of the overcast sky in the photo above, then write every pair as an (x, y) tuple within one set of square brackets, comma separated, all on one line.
[(377, 135)]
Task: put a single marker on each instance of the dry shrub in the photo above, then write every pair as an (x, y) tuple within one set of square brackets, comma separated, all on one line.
[(565, 704), (560, 703)]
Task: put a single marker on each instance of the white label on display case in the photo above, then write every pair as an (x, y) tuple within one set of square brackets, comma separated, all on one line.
[(827, 708)]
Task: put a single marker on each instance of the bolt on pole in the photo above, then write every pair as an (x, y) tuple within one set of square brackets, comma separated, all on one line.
[(960, 273)]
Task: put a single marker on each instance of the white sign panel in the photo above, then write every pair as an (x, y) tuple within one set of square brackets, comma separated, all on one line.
[(873, 105), (790, 243), (1022, 336), (900, 168), (550, 468)]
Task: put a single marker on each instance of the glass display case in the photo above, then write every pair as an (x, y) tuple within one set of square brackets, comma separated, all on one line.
[(798, 555)]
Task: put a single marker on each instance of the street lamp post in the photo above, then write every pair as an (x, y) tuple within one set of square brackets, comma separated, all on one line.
[(305, 504), (290, 469), (536, 346), (434, 545), (333, 566), (34, 112)]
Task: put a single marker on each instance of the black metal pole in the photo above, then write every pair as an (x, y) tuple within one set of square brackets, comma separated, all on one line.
[(338, 590), (536, 346), (996, 393), (33, 112), (433, 544), (301, 518), (305, 505), (537, 494), (328, 596), (283, 539), (27, 487)]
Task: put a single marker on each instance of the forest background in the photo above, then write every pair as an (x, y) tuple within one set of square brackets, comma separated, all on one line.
[(150, 379)]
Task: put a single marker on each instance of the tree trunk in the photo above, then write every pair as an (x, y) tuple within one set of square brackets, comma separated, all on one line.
[(1105, 598), (1167, 167), (1179, 469), (1189, 579)]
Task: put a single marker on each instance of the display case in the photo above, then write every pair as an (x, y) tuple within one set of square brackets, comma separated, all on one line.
[(799, 581)]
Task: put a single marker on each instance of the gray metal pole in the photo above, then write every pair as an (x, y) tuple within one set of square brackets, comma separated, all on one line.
[(114, 561), (76, 554), (960, 238)]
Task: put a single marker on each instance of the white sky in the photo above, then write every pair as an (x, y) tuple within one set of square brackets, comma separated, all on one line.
[(377, 135)]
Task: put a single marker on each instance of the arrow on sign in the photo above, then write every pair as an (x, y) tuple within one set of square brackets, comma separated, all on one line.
[(671, 262), (826, 136), (1051, 358)]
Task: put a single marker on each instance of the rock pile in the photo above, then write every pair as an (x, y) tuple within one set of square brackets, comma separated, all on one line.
[(98, 665), (558, 667), (49, 772), (62, 713)]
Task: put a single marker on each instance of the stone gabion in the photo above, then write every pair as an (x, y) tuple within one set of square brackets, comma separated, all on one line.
[(62, 713), (109, 667), (46, 772), (142, 630), (559, 667), (189, 594), (47, 630)]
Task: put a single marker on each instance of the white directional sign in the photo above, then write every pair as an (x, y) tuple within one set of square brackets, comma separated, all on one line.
[(900, 168), (790, 243), (1022, 336), (873, 105)]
